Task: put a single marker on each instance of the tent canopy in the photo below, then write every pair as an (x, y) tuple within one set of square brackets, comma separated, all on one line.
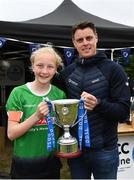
[(56, 28)]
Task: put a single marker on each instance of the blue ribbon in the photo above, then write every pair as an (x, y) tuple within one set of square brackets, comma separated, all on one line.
[(86, 131), (83, 125), (51, 135), (80, 124)]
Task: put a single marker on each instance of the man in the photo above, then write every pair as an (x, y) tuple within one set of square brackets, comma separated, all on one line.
[(104, 87)]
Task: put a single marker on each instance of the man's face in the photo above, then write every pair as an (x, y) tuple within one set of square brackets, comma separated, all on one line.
[(85, 41)]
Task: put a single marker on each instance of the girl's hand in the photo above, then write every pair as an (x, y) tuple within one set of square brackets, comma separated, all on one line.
[(42, 110)]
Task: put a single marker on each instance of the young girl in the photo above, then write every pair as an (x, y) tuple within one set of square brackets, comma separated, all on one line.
[(27, 125)]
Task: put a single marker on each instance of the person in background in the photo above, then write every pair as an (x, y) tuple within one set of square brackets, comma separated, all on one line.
[(27, 120), (104, 87)]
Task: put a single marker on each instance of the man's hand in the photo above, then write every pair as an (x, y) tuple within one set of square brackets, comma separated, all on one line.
[(90, 101)]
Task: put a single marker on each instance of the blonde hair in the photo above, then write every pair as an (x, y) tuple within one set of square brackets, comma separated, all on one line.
[(50, 50)]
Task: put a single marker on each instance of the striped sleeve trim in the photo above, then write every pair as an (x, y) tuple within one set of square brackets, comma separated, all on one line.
[(14, 115)]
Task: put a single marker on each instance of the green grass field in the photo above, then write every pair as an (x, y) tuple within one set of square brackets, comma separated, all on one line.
[(5, 162)]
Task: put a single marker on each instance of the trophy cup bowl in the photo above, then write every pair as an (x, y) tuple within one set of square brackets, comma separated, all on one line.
[(66, 111)]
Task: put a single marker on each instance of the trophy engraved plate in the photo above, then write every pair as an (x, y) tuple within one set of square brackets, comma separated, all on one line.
[(66, 111)]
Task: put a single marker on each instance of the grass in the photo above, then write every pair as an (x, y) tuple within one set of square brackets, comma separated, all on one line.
[(5, 160), (5, 163)]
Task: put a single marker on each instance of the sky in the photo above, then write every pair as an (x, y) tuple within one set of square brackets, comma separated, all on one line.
[(120, 11)]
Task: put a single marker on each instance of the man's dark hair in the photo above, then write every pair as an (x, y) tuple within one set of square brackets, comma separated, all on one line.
[(83, 25)]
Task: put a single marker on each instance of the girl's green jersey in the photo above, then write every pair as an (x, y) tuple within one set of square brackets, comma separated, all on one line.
[(34, 142)]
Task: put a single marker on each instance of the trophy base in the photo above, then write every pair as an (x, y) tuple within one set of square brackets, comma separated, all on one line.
[(68, 155), (67, 148)]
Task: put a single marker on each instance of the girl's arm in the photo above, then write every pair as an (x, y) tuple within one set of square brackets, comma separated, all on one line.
[(16, 129)]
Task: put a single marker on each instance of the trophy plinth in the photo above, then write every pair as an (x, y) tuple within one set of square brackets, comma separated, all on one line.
[(66, 111)]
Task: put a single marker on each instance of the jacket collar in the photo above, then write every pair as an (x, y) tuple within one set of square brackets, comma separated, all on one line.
[(92, 60)]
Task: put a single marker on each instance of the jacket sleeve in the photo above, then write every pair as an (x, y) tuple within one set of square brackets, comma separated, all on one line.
[(117, 106)]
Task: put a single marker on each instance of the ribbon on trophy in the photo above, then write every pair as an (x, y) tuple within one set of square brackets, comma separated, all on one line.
[(83, 126), (51, 135)]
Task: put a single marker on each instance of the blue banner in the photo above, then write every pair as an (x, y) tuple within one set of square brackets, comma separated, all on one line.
[(117, 61), (2, 41), (33, 47), (125, 54), (68, 54)]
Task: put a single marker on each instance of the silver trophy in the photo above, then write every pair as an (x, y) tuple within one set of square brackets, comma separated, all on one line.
[(66, 111)]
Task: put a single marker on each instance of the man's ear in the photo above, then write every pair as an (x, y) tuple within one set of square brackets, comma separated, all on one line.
[(96, 36), (73, 41)]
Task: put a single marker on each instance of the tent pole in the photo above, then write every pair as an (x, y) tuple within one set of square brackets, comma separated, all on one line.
[(112, 54)]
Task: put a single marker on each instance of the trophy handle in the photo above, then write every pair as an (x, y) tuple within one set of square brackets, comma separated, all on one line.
[(79, 119)]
